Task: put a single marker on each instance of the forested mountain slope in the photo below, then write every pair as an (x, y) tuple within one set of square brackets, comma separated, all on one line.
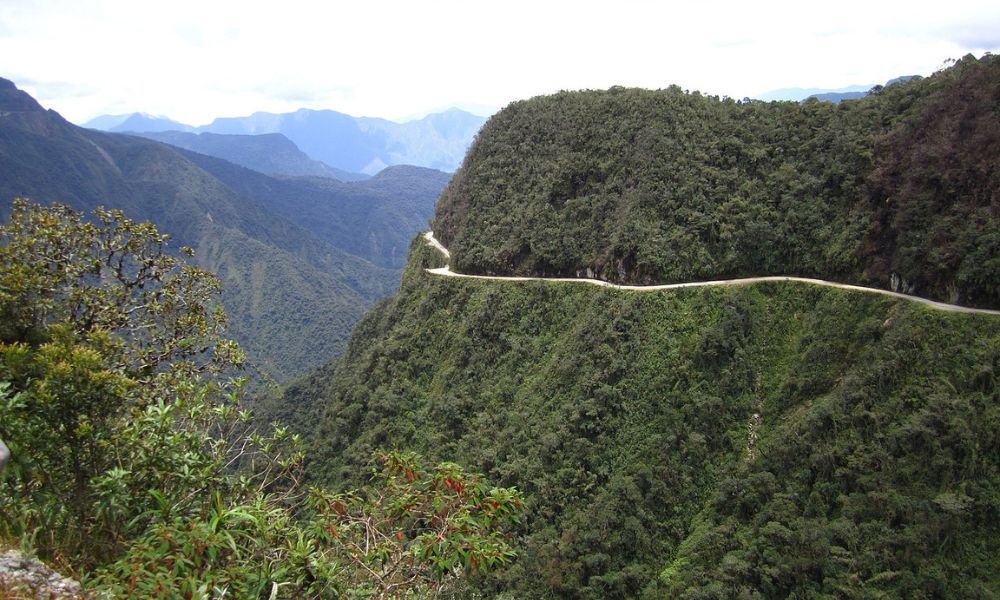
[(771, 440), (291, 297), (374, 219), (270, 153), (779, 439), (898, 189)]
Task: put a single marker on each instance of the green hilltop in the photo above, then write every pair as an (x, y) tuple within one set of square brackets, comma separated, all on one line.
[(896, 189)]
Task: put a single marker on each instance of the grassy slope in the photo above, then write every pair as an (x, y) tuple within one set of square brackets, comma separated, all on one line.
[(624, 417)]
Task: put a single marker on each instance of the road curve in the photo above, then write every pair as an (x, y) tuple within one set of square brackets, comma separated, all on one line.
[(447, 272)]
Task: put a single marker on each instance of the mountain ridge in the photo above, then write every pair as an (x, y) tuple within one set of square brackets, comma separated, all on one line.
[(352, 144), (259, 256), (269, 153)]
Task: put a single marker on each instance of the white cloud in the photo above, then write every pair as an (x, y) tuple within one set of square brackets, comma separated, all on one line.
[(194, 60)]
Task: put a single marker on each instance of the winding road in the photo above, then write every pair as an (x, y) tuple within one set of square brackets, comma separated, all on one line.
[(447, 272)]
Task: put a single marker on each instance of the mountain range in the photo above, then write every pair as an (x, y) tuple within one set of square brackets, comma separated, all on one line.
[(852, 92), (352, 144), (292, 292)]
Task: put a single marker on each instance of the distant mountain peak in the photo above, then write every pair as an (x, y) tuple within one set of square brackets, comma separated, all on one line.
[(851, 92), (15, 100), (135, 122), (348, 144)]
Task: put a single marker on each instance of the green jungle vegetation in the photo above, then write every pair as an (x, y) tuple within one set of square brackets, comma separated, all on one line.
[(292, 294), (773, 440), (765, 441), (134, 465), (898, 189)]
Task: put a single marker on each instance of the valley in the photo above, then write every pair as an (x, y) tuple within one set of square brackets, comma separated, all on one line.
[(300, 258)]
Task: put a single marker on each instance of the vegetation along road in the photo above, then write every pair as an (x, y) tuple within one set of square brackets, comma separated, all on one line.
[(429, 236)]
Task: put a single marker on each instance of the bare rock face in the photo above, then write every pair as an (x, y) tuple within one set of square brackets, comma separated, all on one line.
[(25, 578)]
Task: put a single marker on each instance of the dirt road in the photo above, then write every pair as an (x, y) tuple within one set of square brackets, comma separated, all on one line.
[(447, 272)]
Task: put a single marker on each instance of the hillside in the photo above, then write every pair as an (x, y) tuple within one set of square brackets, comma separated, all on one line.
[(897, 190), (782, 439), (270, 153), (374, 219), (771, 440), (291, 297)]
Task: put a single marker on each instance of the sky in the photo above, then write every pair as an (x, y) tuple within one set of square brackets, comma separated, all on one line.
[(194, 60)]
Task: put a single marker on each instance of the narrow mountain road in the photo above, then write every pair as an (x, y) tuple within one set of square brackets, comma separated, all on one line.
[(446, 271)]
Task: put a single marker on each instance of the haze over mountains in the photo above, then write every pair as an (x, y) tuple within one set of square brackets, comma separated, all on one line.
[(271, 153), (353, 144), (292, 292), (852, 92)]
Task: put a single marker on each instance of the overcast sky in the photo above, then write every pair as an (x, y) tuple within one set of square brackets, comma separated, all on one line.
[(193, 60)]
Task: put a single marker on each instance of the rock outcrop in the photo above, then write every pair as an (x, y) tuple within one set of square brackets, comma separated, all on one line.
[(24, 578)]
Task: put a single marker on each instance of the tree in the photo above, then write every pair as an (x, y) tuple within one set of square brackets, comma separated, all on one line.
[(112, 367), (109, 276)]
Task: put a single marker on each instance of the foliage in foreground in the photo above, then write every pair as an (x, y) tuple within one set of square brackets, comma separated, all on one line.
[(134, 466)]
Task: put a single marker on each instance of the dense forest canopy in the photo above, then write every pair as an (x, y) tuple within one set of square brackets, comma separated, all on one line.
[(771, 440), (898, 189)]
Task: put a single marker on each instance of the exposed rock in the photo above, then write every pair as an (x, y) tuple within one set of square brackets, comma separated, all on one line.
[(25, 578)]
